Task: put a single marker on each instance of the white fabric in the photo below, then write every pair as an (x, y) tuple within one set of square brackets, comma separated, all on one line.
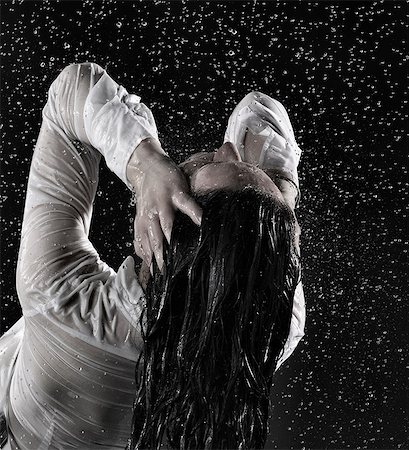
[(73, 381), (297, 325), (116, 127), (267, 117), (9, 350), (67, 368)]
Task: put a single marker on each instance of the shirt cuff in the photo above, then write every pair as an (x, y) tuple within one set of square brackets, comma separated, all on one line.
[(116, 123)]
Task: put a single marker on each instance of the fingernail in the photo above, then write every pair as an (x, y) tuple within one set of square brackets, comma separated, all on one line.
[(167, 235), (159, 261), (199, 218)]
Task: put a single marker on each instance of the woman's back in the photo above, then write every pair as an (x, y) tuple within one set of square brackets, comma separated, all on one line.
[(70, 390)]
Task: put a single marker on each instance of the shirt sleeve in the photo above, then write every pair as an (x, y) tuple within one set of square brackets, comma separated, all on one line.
[(116, 122), (297, 325), (58, 269)]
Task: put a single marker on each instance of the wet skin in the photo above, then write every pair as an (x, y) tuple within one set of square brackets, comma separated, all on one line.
[(224, 169)]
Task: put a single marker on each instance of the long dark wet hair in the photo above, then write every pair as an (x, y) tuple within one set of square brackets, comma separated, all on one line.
[(215, 326)]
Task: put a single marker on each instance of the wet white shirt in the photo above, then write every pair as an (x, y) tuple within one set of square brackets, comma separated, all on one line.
[(67, 368)]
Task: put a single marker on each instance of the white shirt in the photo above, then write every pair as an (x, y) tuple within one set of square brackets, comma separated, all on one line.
[(67, 368)]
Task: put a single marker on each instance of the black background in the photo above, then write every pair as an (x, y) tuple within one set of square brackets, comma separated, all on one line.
[(340, 69)]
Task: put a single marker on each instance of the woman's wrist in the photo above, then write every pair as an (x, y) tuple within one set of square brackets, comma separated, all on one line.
[(148, 153)]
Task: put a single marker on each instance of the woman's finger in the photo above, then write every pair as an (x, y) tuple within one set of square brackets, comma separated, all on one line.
[(147, 249), (142, 246), (156, 239), (137, 243), (187, 205), (166, 217)]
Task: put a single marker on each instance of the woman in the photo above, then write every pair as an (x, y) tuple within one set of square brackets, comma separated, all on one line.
[(68, 367)]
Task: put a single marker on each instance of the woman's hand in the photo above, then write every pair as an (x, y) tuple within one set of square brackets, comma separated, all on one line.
[(161, 189)]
